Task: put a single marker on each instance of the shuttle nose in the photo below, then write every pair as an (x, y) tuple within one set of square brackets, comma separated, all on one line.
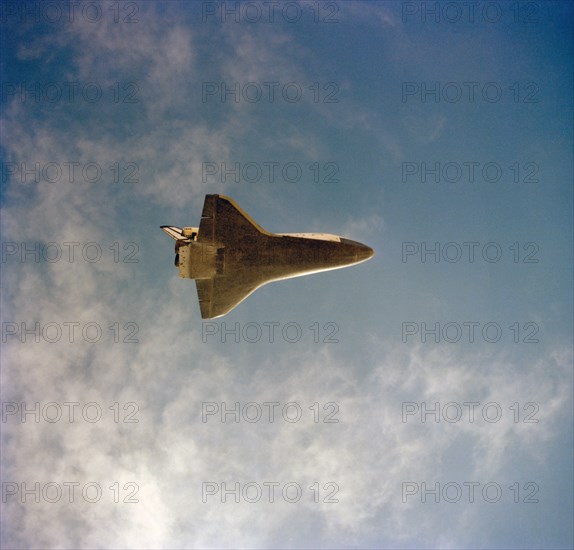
[(359, 251), (363, 252)]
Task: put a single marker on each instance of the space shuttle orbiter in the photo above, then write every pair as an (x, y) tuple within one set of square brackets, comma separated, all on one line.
[(230, 256)]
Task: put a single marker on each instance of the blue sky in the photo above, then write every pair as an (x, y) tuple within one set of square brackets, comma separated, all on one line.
[(367, 148)]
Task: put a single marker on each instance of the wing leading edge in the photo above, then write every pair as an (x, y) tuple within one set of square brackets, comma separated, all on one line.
[(226, 225)]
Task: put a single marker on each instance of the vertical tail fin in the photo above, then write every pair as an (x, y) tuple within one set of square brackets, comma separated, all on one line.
[(224, 222)]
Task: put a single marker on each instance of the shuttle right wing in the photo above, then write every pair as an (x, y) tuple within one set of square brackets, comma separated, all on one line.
[(219, 295)]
